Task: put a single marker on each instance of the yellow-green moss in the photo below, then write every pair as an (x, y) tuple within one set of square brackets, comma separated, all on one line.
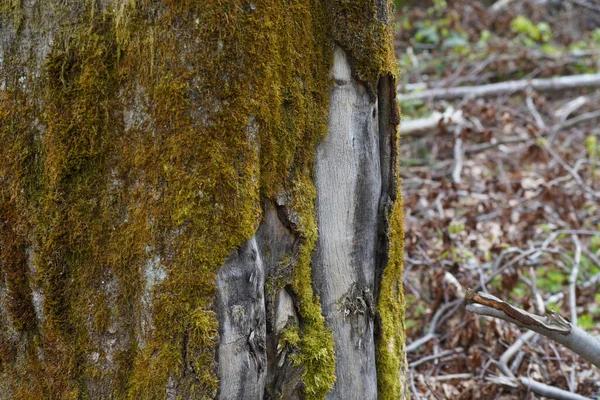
[(365, 32), (11, 12), (289, 336), (15, 114), (316, 343), (391, 357), (156, 131)]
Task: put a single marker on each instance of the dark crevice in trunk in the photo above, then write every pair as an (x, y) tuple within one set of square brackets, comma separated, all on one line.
[(388, 121)]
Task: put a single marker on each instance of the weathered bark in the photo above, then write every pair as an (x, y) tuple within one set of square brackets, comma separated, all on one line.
[(199, 199), (348, 183)]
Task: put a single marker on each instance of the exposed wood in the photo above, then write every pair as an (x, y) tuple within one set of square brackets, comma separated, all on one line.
[(348, 183), (241, 310)]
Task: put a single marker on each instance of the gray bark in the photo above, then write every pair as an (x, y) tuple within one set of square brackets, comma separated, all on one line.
[(249, 322), (348, 182), (352, 181), (241, 308)]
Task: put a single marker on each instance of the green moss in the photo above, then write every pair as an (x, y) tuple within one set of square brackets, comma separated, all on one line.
[(316, 347), (11, 12), (365, 33), (290, 336), (14, 117), (153, 136), (391, 358)]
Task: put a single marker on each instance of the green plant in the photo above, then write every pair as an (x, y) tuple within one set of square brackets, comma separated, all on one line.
[(540, 32), (427, 33), (593, 149), (456, 227), (586, 321), (417, 311), (596, 35), (551, 279)]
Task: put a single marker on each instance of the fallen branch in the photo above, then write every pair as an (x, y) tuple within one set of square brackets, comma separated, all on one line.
[(443, 354), (419, 127), (538, 388), (553, 326), (496, 89)]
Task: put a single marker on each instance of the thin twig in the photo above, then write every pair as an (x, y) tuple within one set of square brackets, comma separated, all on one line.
[(450, 377), (585, 4), (536, 387), (413, 389), (594, 279), (573, 280), (573, 301), (564, 111), (571, 171), (516, 346), (549, 391), (443, 354), (536, 115), (458, 159)]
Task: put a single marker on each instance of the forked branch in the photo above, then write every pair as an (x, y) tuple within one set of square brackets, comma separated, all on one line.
[(553, 326)]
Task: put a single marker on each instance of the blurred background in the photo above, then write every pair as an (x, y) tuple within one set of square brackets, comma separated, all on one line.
[(501, 183)]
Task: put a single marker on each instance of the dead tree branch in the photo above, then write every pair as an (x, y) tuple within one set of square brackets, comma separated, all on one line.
[(553, 326), (501, 88), (538, 388)]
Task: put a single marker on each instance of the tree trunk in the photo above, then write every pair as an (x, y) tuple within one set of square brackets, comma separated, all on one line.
[(199, 199)]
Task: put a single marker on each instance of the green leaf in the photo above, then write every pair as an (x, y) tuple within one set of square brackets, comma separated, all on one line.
[(586, 321), (455, 40), (427, 34)]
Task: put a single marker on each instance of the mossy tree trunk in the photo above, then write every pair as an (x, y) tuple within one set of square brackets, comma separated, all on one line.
[(199, 199)]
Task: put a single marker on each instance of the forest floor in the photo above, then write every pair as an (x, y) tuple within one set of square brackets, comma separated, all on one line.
[(502, 194)]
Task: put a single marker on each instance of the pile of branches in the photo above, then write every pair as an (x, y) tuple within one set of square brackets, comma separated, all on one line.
[(502, 204)]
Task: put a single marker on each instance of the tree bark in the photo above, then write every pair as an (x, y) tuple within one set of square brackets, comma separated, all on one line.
[(199, 199)]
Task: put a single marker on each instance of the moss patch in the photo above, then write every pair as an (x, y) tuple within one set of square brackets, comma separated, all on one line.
[(144, 146), (391, 362), (364, 31), (160, 128), (15, 114)]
